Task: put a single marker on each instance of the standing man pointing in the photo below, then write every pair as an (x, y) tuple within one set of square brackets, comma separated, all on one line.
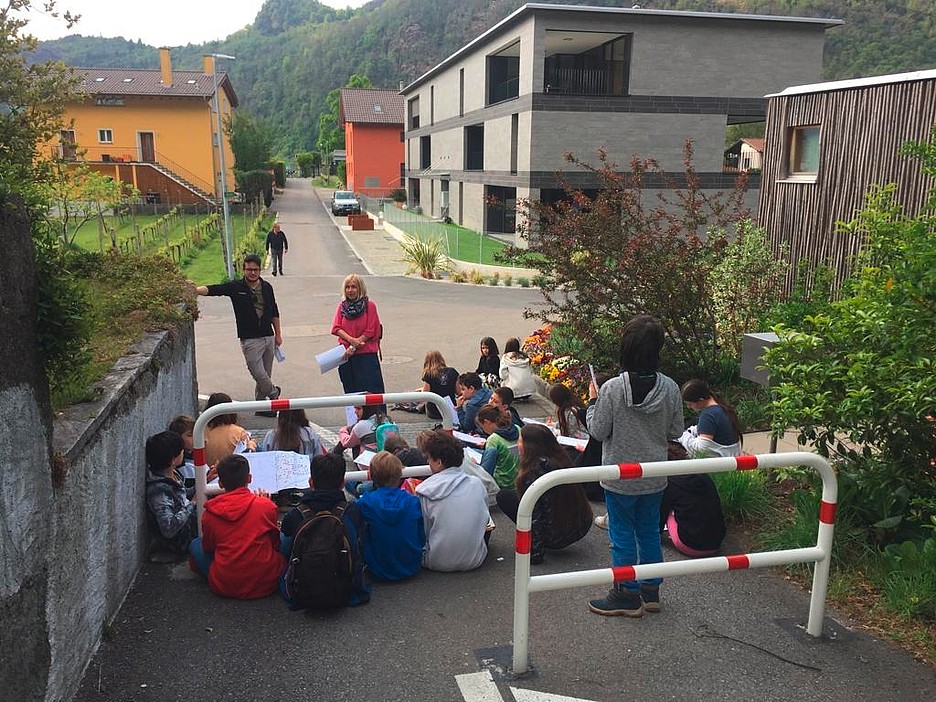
[(258, 324), (277, 245)]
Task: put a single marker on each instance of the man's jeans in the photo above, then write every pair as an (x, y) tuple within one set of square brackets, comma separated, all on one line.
[(258, 353), (277, 257), (634, 528)]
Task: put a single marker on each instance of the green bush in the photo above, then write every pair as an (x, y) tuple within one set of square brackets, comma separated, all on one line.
[(523, 282), (494, 279), (254, 185), (279, 173), (910, 584), (65, 324), (424, 256), (306, 162), (476, 277), (860, 379), (459, 277), (508, 280), (744, 495), (398, 195)]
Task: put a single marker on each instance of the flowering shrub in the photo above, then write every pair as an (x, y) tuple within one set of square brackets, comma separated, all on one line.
[(565, 369)]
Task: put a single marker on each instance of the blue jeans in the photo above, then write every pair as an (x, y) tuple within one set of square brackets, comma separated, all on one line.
[(634, 528), (201, 559)]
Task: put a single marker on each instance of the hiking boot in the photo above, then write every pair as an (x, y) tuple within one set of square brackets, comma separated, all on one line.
[(618, 603), (601, 521), (650, 594)]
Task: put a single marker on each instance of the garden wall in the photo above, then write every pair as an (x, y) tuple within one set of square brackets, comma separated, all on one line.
[(98, 520)]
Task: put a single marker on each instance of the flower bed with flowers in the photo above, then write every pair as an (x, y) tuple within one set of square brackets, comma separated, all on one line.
[(564, 369)]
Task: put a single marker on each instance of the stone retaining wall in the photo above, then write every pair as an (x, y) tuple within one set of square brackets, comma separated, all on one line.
[(98, 509)]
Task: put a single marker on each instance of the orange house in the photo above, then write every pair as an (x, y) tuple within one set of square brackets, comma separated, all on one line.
[(373, 124), (154, 129)]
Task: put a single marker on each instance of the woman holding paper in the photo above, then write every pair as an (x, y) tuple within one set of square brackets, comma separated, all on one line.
[(358, 329)]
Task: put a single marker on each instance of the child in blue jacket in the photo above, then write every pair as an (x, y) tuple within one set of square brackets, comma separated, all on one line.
[(394, 538)]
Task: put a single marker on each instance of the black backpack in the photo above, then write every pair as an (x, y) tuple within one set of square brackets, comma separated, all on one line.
[(320, 573)]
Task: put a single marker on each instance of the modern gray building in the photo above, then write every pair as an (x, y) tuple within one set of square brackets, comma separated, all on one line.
[(492, 122)]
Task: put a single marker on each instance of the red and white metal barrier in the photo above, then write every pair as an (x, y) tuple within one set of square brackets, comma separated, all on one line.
[(198, 433), (819, 554)]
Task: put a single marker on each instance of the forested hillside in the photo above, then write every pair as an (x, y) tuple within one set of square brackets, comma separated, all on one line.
[(296, 51)]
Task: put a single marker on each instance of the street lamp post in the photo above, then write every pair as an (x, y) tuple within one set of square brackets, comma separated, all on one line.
[(228, 243)]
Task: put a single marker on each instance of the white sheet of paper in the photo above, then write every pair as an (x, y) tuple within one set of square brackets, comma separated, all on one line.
[(277, 470), (452, 410), (530, 420), (279, 354), (350, 415), (331, 359), (364, 457), (468, 438), (578, 444), (474, 455), (241, 447)]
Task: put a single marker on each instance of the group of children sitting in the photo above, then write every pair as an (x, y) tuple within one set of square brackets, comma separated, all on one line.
[(327, 549)]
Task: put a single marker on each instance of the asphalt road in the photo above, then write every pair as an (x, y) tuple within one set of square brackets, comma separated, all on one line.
[(731, 636)]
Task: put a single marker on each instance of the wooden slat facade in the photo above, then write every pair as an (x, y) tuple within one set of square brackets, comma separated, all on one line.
[(861, 130)]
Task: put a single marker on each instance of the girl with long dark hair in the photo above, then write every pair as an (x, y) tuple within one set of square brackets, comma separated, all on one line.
[(293, 433), (717, 431), (563, 515)]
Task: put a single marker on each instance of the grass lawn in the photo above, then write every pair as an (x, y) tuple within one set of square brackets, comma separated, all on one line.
[(207, 265)]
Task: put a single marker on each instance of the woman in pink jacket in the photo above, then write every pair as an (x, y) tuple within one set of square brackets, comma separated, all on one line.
[(358, 329)]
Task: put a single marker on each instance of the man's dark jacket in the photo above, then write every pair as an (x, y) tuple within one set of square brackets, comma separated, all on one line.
[(249, 326)]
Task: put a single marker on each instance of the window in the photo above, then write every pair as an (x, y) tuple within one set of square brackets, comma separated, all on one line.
[(461, 92), (425, 152), (402, 136), (474, 148), (105, 136), (503, 74), (514, 141), (587, 63), (804, 151), (431, 104), (413, 109)]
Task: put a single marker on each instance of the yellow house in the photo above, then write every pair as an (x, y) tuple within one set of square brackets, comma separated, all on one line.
[(155, 129)]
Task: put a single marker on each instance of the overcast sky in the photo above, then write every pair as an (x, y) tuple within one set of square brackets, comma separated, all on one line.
[(161, 23)]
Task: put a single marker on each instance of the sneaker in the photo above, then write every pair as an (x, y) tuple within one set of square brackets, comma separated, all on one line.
[(650, 594), (618, 603), (277, 391), (601, 521)]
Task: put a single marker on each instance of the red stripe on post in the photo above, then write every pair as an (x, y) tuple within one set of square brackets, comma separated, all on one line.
[(827, 512), (279, 405), (738, 562), (198, 456), (622, 573), (373, 399), (745, 462), (523, 541), (630, 471)]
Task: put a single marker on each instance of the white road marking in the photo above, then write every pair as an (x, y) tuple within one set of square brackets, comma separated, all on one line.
[(478, 687), (534, 696)]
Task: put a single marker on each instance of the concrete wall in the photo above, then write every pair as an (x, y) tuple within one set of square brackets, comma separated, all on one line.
[(25, 472), (98, 527)]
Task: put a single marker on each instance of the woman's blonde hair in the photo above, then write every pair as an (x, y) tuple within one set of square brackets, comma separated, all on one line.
[(433, 364), (386, 470), (362, 287)]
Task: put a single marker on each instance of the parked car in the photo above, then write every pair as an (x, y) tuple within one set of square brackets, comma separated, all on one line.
[(344, 202)]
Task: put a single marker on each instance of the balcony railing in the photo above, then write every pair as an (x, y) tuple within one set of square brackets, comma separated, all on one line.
[(579, 81)]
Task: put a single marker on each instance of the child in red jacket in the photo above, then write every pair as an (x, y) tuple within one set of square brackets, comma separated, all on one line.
[(239, 547)]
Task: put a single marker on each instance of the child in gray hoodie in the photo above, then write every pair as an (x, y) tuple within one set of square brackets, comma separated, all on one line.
[(454, 507), (634, 416)]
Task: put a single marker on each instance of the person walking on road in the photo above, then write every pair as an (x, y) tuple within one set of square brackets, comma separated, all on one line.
[(277, 245), (258, 324)]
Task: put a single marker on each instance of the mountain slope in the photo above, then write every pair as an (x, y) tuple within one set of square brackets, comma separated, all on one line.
[(296, 51)]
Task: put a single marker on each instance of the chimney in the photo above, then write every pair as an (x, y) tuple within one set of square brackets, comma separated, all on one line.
[(209, 63), (165, 66)]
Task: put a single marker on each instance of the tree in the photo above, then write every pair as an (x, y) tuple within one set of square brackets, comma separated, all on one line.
[(251, 142), (608, 256), (79, 194), (331, 135), (860, 380), (32, 102), (306, 162)]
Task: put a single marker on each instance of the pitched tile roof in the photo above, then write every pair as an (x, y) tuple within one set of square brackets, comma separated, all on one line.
[(371, 106), (148, 82), (756, 144)]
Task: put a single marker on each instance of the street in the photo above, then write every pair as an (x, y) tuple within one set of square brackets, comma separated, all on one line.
[(447, 636)]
